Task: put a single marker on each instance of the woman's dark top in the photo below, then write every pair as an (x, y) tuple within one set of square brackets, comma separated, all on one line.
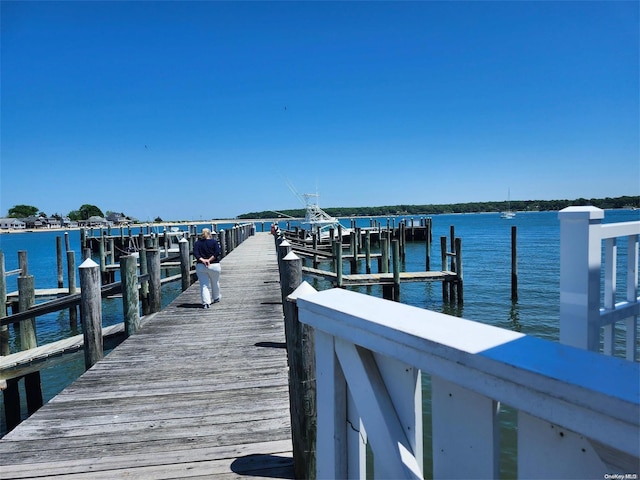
[(207, 248)]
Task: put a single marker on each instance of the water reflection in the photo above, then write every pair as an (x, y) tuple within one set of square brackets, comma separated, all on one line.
[(514, 317)]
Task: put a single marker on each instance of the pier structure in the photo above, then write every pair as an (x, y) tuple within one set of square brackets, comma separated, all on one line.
[(141, 279), (193, 393), (109, 246), (389, 255), (578, 411), (148, 409)]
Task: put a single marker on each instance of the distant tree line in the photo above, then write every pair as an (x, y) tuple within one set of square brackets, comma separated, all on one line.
[(83, 213), (474, 207)]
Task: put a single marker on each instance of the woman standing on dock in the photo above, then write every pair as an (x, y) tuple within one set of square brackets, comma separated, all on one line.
[(207, 252)]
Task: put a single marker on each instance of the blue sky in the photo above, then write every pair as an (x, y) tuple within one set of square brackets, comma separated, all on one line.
[(201, 110)]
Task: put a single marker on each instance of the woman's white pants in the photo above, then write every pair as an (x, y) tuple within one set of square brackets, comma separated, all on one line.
[(209, 278)]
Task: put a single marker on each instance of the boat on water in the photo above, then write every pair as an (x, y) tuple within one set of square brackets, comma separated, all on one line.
[(508, 213), (316, 219)]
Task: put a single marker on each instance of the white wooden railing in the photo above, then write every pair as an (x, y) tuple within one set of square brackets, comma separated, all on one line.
[(589, 313), (578, 410)]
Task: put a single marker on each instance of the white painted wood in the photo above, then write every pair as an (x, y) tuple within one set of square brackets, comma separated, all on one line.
[(404, 384), (465, 432), (331, 445), (547, 451), (610, 255), (356, 441), (393, 453), (580, 276), (631, 323), (594, 395), (581, 236)]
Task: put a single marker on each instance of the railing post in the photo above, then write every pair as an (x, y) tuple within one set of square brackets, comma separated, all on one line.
[(130, 296), (91, 312), (580, 264)]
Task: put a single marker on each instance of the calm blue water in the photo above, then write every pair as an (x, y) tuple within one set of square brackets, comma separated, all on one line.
[(486, 251)]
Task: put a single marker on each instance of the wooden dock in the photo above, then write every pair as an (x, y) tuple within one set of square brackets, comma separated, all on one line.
[(195, 393), (381, 278)]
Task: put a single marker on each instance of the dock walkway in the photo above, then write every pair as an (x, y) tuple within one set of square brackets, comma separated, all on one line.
[(194, 394)]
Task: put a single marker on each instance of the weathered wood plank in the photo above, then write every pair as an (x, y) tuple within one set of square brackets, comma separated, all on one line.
[(253, 455), (382, 278)]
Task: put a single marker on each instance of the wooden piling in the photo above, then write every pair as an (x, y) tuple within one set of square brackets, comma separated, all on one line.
[(144, 285), (514, 264), (443, 249), (11, 397), (26, 299), (459, 281), (223, 241), (284, 247), (153, 268), (130, 297), (71, 275), (301, 358), (185, 266), (338, 256), (91, 312), (314, 239), (103, 259), (367, 251), (59, 261), (4, 329), (427, 237), (354, 252), (383, 267), (28, 338), (395, 253)]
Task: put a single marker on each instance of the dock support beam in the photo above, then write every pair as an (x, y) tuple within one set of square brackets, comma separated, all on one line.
[(91, 312)]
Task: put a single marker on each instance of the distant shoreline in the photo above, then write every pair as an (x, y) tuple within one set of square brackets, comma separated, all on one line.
[(137, 225), (254, 220)]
